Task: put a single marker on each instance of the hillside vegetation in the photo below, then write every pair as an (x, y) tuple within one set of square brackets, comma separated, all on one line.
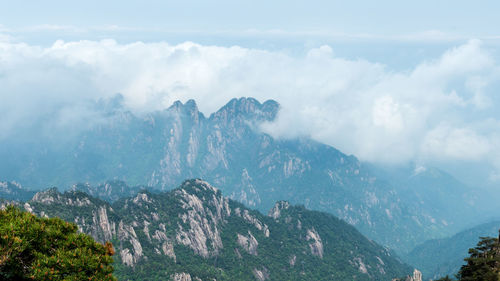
[(33, 248), (195, 231)]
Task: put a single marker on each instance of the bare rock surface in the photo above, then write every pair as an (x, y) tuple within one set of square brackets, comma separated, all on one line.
[(316, 244)]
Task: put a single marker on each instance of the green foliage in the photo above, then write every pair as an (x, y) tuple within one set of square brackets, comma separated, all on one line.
[(483, 263), (49, 249)]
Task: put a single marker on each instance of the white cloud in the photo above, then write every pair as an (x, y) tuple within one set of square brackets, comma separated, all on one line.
[(426, 113), (387, 115), (456, 143)]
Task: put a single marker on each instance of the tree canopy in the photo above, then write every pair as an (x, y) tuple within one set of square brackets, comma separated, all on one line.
[(483, 262), (34, 248)]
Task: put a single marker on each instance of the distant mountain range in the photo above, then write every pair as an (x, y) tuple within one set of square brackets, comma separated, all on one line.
[(440, 257), (110, 191), (228, 149), (195, 233), (14, 191)]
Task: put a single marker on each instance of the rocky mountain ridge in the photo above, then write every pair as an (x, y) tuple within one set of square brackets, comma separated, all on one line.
[(109, 191), (195, 232)]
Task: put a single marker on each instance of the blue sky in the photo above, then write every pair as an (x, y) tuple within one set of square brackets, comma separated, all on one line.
[(420, 21), (397, 33), (419, 80), (463, 18)]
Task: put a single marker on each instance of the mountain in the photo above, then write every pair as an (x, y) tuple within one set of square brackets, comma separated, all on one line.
[(110, 191), (437, 196), (195, 232), (228, 149), (14, 191), (433, 191), (440, 257)]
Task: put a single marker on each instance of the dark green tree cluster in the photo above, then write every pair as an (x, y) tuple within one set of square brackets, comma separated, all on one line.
[(33, 248), (483, 262)]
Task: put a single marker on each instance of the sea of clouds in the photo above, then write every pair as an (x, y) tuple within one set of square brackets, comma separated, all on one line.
[(442, 109)]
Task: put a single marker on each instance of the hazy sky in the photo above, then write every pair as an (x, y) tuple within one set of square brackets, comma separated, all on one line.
[(388, 81), (462, 18)]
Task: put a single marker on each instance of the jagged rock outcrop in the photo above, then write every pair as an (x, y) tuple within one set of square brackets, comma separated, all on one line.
[(181, 277), (253, 220), (417, 276), (106, 228), (358, 261), (203, 222), (48, 197), (261, 274), (126, 233), (248, 242), (275, 212), (316, 244), (51, 196), (168, 249)]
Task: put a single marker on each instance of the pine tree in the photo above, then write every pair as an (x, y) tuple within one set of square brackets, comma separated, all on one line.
[(33, 248), (483, 262)]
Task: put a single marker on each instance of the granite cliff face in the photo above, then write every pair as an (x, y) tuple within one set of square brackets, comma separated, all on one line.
[(194, 232), (229, 150)]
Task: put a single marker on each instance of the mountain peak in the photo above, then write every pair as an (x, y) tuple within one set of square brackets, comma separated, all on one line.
[(190, 106), (47, 196), (194, 186), (248, 108), (69, 197), (243, 101), (188, 109)]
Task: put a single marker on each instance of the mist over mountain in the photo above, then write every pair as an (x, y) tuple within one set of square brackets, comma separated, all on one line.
[(438, 111), (229, 149)]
